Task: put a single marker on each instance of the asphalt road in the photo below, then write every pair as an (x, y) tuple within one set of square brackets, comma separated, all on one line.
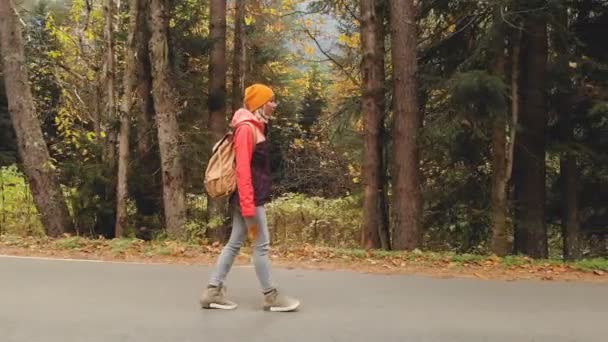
[(65, 301)]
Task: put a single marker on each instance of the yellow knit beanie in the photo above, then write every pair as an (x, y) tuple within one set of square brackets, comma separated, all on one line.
[(256, 96)]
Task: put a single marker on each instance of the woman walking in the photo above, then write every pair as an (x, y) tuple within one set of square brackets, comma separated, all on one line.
[(249, 215)]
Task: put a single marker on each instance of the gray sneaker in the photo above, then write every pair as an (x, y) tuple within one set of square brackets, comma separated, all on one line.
[(213, 298), (276, 302)]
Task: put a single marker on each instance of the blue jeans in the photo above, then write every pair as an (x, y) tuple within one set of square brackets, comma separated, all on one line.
[(261, 247)]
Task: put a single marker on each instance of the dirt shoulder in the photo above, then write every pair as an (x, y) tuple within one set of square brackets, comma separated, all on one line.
[(441, 265)]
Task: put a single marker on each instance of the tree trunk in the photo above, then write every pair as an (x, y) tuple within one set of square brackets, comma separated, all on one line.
[(568, 167), (148, 194), (515, 48), (34, 154), (529, 180), (122, 184), (107, 215), (373, 75), (216, 208), (383, 228), (130, 76), (500, 242), (98, 84), (168, 131), (110, 68), (238, 63), (407, 199), (217, 69), (570, 216), (515, 54)]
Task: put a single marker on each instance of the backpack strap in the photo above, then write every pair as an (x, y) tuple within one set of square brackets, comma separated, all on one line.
[(218, 144), (254, 130)]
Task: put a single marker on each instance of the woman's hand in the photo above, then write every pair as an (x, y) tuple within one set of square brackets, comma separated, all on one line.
[(252, 227)]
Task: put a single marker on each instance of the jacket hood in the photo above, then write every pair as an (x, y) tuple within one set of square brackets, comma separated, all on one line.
[(243, 115)]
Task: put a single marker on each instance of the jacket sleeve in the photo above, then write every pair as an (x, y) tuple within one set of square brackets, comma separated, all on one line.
[(244, 146)]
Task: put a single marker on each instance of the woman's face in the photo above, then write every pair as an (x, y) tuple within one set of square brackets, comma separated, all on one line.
[(270, 107)]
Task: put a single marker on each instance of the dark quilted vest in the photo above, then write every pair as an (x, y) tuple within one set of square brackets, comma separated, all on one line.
[(260, 174)]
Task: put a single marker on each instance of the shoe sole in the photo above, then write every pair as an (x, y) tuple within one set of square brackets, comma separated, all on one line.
[(219, 306), (282, 309)]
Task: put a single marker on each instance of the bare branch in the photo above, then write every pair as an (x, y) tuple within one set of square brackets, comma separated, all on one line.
[(504, 18), (332, 59), (435, 46), (351, 12), (300, 13), (70, 71)]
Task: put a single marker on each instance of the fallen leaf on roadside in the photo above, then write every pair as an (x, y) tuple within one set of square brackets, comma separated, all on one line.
[(479, 275), (599, 272), (495, 259)]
